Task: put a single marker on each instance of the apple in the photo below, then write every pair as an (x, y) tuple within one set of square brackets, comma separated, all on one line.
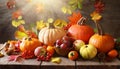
[(40, 51), (78, 44), (88, 51)]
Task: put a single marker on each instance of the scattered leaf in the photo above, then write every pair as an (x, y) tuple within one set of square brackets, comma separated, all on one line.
[(1, 54), (14, 58), (56, 60)]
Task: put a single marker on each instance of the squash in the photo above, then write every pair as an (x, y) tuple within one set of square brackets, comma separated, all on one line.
[(102, 41), (88, 51), (80, 31), (50, 34)]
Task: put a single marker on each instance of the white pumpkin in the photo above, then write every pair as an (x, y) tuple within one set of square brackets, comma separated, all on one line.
[(49, 35)]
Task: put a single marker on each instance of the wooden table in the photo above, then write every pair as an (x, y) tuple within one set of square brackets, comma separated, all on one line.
[(65, 64)]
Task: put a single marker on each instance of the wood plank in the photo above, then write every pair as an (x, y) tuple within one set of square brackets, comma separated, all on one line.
[(95, 64), (65, 64)]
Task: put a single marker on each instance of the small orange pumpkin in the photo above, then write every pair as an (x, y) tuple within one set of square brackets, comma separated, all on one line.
[(113, 53), (103, 42), (81, 31), (73, 55), (29, 44)]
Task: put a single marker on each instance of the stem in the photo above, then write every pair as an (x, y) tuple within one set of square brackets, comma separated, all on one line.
[(51, 26), (99, 27), (81, 21)]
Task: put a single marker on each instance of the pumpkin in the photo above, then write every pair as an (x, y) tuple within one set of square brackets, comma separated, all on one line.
[(88, 51), (81, 31), (102, 41), (50, 34), (29, 44)]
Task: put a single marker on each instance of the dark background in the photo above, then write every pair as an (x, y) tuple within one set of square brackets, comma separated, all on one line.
[(110, 21)]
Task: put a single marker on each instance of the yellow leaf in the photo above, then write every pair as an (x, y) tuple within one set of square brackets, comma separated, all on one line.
[(19, 34), (15, 23), (56, 60), (64, 10), (40, 24), (60, 23), (95, 16), (50, 20)]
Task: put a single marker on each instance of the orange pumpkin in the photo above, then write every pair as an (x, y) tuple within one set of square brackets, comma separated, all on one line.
[(81, 31), (29, 44), (103, 42), (49, 35)]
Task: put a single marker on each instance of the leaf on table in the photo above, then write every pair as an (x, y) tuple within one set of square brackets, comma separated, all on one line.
[(56, 60), (1, 54), (16, 58)]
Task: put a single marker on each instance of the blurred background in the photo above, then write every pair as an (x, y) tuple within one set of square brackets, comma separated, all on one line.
[(110, 21)]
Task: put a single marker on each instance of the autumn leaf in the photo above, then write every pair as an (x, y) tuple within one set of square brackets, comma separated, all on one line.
[(16, 58), (18, 22), (73, 19), (95, 16), (60, 23), (75, 4), (40, 24), (66, 10), (16, 14), (19, 34)]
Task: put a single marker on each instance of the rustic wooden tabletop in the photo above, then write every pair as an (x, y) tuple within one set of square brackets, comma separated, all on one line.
[(65, 64)]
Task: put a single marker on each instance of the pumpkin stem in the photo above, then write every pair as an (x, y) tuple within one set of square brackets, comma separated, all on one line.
[(99, 27), (81, 21), (51, 25)]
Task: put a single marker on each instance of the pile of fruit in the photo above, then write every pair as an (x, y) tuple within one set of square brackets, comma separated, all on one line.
[(79, 41)]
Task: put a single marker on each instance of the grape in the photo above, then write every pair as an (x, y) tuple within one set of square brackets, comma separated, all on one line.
[(59, 42), (63, 46)]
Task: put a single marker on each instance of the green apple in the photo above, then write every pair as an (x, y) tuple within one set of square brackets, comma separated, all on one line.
[(78, 44), (88, 51)]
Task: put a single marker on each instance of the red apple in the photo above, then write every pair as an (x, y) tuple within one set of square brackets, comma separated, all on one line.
[(40, 51)]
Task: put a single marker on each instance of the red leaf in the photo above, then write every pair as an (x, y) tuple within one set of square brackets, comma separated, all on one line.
[(14, 58)]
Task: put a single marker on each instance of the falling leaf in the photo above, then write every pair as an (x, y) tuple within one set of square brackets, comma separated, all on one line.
[(95, 16), (50, 20), (66, 10), (99, 6), (18, 22), (40, 24), (75, 4), (19, 34), (60, 23), (16, 14), (10, 4)]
